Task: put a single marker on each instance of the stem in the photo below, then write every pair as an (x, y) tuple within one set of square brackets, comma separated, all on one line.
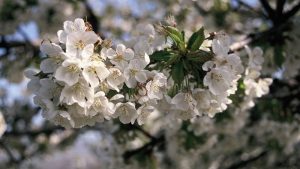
[(8, 151), (145, 148)]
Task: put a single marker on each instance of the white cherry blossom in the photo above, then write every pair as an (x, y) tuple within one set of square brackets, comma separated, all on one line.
[(135, 73), (184, 105), (69, 72), (126, 112), (218, 80), (34, 83), (93, 72), (81, 45), (143, 113), (80, 93), (115, 79), (121, 56), (2, 124), (156, 87), (69, 27), (101, 107)]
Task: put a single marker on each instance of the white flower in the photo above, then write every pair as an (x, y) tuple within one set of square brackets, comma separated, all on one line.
[(34, 83), (218, 80), (115, 79), (257, 89), (234, 63), (101, 107), (121, 56), (184, 106), (77, 26), (135, 73), (80, 93), (69, 71), (93, 72), (217, 104), (64, 119), (56, 57), (2, 125), (155, 88), (142, 50), (184, 101), (49, 89), (145, 30), (255, 57), (220, 45), (143, 113), (81, 45), (126, 112), (203, 98), (50, 110)]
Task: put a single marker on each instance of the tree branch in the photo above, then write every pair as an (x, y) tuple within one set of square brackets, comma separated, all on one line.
[(293, 11), (256, 11), (279, 7), (244, 163), (145, 148), (200, 10), (34, 133), (8, 151), (268, 9)]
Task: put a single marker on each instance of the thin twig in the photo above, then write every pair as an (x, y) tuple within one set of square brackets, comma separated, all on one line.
[(293, 11), (145, 148), (268, 9), (8, 151), (244, 163)]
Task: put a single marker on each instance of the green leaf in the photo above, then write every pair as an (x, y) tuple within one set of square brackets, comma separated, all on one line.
[(278, 55), (176, 36), (196, 40), (160, 55), (177, 72), (199, 56), (172, 60)]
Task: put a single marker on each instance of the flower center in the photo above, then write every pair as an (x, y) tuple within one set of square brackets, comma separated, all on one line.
[(73, 68), (80, 45)]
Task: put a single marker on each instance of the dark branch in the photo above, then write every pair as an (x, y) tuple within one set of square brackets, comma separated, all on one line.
[(280, 6), (268, 9), (250, 8), (200, 10), (293, 11), (34, 133), (244, 163), (147, 148), (8, 151), (140, 129)]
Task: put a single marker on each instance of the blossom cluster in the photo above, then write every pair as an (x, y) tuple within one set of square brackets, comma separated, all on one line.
[(2, 124), (220, 81), (74, 83), (83, 80), (255, 86)]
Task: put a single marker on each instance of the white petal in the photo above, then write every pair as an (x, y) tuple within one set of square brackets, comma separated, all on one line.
[(141, 76), (90, 37), (111, 53), (87, 51), (79, 24), (131, 82), (50, 49), (62, 36), (128, 54), (102, 72), (90, 77), (120, 49), (48, 66), (62, 74)]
